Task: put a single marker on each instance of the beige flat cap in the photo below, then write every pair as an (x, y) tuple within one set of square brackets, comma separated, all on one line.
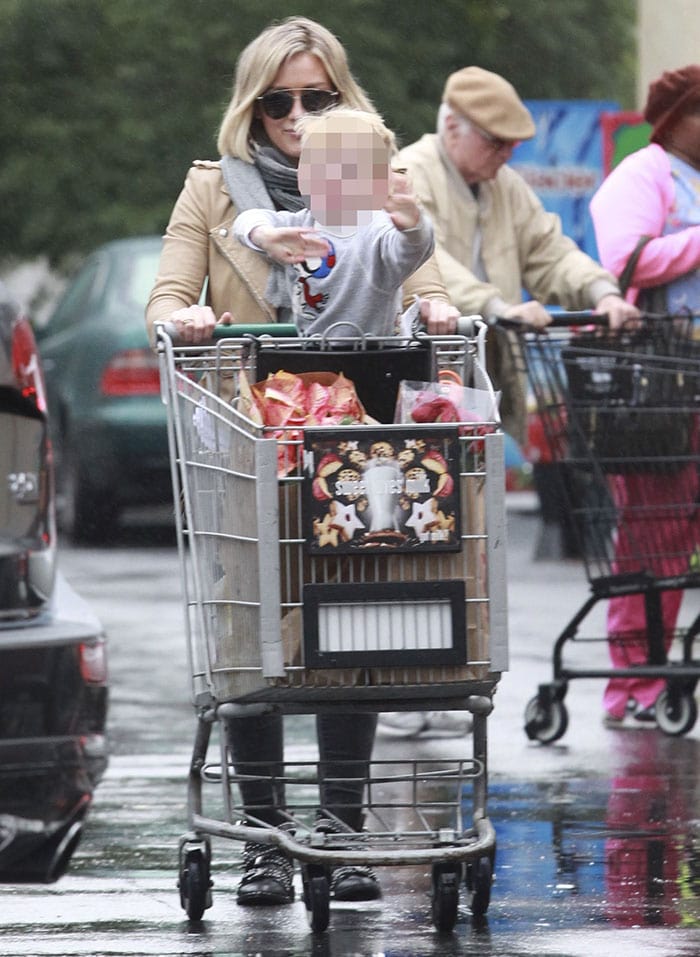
[(490, 102)]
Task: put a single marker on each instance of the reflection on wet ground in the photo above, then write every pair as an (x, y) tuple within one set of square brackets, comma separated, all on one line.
[(580, 852), (579, 858), (598, 835), (624, 851)]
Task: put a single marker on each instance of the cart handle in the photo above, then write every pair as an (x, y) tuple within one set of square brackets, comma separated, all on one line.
[(239, 330), (466, 326), (560, 320)]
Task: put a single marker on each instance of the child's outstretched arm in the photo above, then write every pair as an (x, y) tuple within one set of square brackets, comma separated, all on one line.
[(289, 244), (261, 229)]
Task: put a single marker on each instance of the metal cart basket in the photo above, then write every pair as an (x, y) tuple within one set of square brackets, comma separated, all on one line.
[(376, 615), (619, 413)]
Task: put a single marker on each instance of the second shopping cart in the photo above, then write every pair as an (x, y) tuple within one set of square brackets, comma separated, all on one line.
[(619, 412)]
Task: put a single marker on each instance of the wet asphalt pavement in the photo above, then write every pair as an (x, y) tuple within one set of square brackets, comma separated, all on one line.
[(598, 835)]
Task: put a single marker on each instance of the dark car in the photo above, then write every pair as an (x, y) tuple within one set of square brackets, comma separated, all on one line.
[(53, 672), (108, 422)]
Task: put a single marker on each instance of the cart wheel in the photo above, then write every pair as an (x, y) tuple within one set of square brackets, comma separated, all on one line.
[(317, 896), (195, 884), (445, 896), (676, 714), (546, 724), (481, 877)]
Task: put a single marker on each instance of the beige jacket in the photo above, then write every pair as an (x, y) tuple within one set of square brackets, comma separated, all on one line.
[(199, 248), (521, 246)]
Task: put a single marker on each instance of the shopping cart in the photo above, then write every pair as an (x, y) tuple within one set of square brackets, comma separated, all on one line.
[(619, 412), (387, 617)]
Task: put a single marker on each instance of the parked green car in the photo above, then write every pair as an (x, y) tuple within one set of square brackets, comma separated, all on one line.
[(108, 421)]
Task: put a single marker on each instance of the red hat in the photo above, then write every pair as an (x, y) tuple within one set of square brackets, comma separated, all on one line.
[(669, 97)]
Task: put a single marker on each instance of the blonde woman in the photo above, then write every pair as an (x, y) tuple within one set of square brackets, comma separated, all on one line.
[(292, 68)]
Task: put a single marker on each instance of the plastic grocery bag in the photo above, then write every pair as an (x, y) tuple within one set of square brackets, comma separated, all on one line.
[(446, 401)]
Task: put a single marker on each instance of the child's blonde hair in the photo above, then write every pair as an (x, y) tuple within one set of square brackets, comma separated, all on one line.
[(342, 120)]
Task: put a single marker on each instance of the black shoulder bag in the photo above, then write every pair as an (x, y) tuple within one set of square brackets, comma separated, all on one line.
[(652, 300)]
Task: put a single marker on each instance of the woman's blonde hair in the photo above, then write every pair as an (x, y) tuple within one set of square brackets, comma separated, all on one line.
[(260, 62)]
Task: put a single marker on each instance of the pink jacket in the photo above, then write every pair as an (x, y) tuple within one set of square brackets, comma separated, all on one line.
[(633, 201)]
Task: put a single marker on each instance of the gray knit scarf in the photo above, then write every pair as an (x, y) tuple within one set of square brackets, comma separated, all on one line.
[(280, 178), (270, 182)]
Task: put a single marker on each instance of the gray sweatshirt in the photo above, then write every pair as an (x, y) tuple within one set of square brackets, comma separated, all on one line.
[(360, 280)]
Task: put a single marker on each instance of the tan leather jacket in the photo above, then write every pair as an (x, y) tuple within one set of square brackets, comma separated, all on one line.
[(199, 247), (522, 245)]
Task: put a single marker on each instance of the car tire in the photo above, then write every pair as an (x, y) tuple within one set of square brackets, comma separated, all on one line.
[(86, 515)]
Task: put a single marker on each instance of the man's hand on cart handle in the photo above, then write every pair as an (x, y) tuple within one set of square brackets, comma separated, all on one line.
[(620, 313), (557, 320), (195, 324), (532, 314), (612, 312)]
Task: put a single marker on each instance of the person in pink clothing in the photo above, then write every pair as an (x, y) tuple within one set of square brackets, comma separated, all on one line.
[(654, 192)]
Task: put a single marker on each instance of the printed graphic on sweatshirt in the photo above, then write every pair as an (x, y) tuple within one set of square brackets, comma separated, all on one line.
[(310, 297)]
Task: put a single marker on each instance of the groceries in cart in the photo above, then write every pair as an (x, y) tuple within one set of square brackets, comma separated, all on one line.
[(371, 490), (448, 400), (290, 403)]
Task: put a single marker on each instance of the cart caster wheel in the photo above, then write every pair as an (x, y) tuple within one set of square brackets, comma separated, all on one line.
[(479, 880), (317, 897), (445, 896), (195, 883), (676, 714), (546, 723)]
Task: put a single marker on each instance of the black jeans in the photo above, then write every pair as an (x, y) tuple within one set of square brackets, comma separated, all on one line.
[(345, 746)]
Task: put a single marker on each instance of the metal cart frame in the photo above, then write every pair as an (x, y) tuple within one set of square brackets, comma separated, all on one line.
[(219, 455), (588, 383)]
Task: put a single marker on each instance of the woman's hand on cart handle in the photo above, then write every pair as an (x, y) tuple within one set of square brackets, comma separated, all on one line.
[(195, 324), (439, 317), (234, 330)]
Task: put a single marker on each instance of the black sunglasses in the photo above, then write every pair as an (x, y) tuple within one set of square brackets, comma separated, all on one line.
[(279, 103)]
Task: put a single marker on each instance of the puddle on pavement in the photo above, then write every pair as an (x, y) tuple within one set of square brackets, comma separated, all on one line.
[(622, 851)]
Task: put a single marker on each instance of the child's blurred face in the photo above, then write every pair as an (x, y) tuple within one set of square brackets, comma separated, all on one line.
[(344, 177)]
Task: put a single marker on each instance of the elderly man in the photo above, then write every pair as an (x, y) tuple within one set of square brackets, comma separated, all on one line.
[(493, 236)]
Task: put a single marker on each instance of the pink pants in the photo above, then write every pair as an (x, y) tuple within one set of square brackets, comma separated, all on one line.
[(658, 531), (642, 805)]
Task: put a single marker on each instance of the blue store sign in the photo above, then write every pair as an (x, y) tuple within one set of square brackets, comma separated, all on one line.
[(563, 163)]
